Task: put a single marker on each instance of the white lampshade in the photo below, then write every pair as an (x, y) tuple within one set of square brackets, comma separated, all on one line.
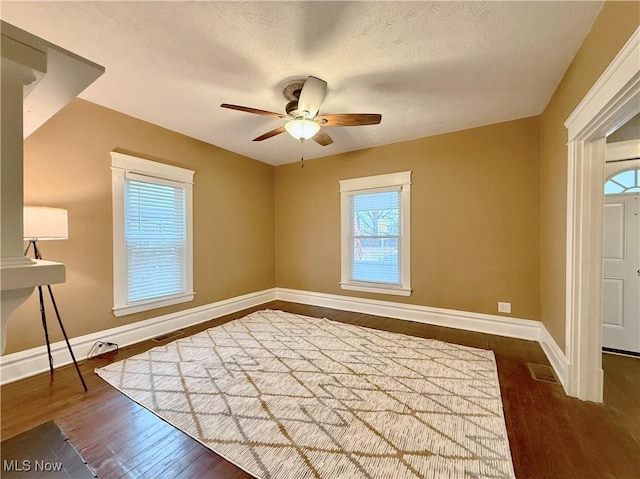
[(302, 129), (43, 223)]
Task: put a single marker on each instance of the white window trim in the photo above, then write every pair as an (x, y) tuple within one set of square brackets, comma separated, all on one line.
[(401, 180), (122, 164)]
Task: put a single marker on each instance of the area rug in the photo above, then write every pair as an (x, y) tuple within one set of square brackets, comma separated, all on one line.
[(293, 397)]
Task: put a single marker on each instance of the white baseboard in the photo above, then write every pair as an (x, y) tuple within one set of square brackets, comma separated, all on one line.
[(555, 355), (478, 322), (33, 361)]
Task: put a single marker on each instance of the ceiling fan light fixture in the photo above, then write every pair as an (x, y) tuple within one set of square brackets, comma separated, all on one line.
[(302, 129)]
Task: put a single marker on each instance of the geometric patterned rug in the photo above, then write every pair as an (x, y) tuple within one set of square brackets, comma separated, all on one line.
[(293, 397)]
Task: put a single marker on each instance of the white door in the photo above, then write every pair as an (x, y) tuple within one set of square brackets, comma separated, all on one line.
[(621, 288)]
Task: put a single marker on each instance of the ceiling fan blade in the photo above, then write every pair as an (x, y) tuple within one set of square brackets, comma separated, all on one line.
[(271, 133), (322, 138), (311, 96), (253, 110), (349, 119)]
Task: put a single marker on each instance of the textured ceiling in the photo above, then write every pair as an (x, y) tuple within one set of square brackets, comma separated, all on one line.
[(427, 67)]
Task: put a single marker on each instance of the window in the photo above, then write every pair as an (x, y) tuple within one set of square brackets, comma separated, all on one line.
[(375, 213), (625, 182), (152, 234)]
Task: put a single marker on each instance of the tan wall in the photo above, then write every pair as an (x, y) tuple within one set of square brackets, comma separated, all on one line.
[(475, 218), (67, 164), (613, 27)]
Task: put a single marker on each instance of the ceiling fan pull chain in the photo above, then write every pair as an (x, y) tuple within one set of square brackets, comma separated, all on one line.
[(301, 152)]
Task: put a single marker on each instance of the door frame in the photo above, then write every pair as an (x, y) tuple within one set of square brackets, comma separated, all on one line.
[(611, 102), (623, 151)]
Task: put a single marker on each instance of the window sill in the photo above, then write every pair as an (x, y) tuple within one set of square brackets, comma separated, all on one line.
[(153, 304), (382, 289)]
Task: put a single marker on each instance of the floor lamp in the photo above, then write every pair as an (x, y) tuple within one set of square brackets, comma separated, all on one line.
[(41, 223)]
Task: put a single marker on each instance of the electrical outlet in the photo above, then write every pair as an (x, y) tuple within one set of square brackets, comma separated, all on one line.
[(504, 307)]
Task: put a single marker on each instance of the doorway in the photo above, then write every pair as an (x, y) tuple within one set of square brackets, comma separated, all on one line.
[(612, 101), (621, 249)]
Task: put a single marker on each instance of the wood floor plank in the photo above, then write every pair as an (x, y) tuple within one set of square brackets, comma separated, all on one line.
[(108, 454), (550, 435), (212, 466), (143, 456), (176, 459)]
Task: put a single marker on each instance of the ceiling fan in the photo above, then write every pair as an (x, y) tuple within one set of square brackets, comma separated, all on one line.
[(302, 120)]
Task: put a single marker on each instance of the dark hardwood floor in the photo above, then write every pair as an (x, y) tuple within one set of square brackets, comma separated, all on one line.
[(551, 435)]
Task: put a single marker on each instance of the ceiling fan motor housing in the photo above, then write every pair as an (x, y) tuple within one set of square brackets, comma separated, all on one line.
[(292, 108), (291, 92)]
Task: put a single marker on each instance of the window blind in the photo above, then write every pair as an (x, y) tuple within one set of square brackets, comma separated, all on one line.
[(155, 238), (375, 237)]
